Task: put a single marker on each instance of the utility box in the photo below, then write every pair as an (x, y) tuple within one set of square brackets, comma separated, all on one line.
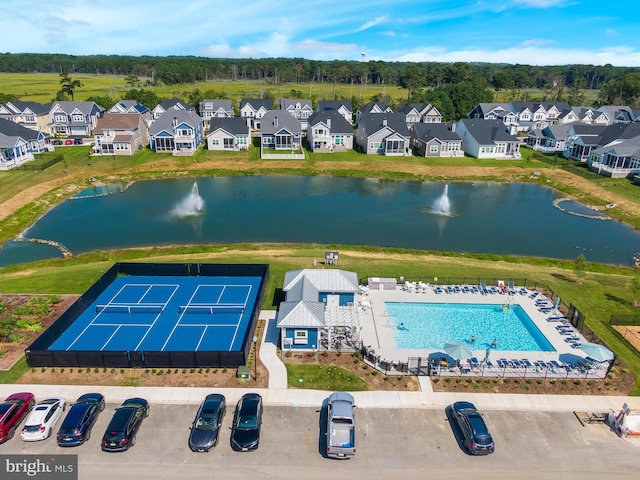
[(243, 373)]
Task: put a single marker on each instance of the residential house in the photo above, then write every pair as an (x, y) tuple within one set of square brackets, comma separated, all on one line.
[(36, 141), (300, 109), (177, 131), (171, 104), (420, 113), (280, 136), (550, 140), (537, 115), (435, 140), (487, 139), (618, 152), (329, 131), (496, 111), (120, 134), (341, 106), (132, 106), (216, 108), (228, 134), (32, 115), (581, 139), (383, 134), (372, 107), (74, 118), (254, 109), (617, 114), (318, 305)]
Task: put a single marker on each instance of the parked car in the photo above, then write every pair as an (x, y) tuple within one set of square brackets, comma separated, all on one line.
[(68, 141), (42, 419), (341, 426), (247, 420), (205, 430), (120, 434), (78, 141), (57, 142), (82, 415), (475, 433), (12, 412)]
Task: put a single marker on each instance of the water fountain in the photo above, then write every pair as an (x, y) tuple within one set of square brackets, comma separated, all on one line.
[(192, 205), (442, 206)]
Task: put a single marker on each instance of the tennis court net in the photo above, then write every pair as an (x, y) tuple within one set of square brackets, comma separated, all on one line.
[(210, 309), (134, 308)]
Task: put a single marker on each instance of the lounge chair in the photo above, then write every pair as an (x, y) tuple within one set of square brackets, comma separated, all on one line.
[(571, 339), (523, 291), (511, 289), (473, 361), (483, 288), (503, 363), (526, 363), (475, 289), (438, 289), (534, 294)]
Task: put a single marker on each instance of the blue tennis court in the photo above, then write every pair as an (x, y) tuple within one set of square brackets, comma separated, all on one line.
[(165, 314)]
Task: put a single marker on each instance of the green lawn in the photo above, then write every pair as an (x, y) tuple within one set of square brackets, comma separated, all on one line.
[(322, 377)]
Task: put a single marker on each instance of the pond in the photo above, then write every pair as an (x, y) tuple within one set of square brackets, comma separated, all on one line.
[(515, 219)]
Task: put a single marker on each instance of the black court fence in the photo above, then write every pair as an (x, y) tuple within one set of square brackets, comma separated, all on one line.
[(40, 355)]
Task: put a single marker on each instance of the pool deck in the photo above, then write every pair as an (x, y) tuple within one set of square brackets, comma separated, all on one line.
[(377, 334)]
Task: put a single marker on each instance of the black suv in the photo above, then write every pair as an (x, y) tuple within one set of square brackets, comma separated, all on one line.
[(121, 431), (476, 435), (76, 426)]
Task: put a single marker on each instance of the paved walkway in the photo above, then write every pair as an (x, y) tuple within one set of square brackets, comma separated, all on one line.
[(279, 394)]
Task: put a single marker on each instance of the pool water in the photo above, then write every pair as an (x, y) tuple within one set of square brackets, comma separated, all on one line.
[(429, 326)]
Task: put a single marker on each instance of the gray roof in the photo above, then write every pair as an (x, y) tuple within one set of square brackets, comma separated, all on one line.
[(485, 108), (288, 102), (332, 280), (557, 132), (301, 314), (533, 106), (128, 105), (338, 123), (256, 103), (621, 148), (367, 108), (440, 131), (418, 107), (333, 105), (233, 125), (175, 103), (165, 122), (35, 107), (217, 104), (374, 122), (275, 121), (88, 108), (488, 131), (13, 129)]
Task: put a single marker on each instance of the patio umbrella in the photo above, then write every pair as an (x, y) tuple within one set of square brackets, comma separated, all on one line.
[(458, 350), (597, 351)]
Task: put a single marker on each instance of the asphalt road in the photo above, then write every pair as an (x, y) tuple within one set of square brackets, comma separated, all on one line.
[(398, 444)]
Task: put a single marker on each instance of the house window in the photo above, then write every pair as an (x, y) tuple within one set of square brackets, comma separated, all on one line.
[(76, 117), (433, 149), (29, 118), (184, 132), (228, 142), (338, 140), (60, 118), (319, 131), (215, 141), (375, 145), (300, 337), (242, 140)]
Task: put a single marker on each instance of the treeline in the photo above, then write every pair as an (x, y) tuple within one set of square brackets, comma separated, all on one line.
[(186, 69)]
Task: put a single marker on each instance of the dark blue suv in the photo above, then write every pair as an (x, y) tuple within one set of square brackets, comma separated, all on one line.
[(76, 426), (477, 438)]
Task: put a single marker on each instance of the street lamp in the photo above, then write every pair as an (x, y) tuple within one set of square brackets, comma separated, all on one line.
[(255, 357)]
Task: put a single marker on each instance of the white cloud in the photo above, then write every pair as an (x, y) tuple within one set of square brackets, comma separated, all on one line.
[(373, 23), (532, 55)]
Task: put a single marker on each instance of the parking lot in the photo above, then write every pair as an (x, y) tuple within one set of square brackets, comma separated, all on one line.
[(391, 443)]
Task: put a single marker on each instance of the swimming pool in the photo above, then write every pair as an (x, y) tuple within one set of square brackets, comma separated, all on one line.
[(430, 325)]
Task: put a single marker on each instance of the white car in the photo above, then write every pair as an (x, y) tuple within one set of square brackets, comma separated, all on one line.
[(42, 419)]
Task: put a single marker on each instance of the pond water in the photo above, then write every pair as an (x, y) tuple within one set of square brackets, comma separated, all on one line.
[(518, 219)]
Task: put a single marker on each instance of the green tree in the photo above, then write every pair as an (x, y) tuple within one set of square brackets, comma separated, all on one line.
[(132, 80), (69, 85), (412, 78), (579, 267)]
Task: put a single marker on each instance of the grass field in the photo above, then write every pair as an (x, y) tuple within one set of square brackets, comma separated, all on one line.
[(42, 87)]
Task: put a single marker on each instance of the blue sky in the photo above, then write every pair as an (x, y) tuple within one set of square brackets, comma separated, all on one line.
[(536, 32)]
